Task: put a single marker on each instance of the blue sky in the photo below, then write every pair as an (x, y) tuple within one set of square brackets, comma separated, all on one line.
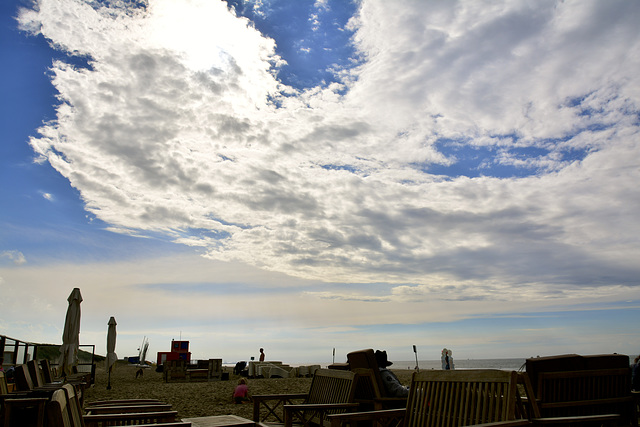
[(310, 175)]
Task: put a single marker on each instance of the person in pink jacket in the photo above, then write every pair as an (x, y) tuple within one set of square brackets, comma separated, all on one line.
[(241, 392)]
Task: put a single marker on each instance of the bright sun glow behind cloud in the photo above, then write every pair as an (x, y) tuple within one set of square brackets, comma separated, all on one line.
[(206, 33)]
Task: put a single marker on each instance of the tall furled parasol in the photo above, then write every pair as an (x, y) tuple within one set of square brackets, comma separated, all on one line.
[(111, 348), (71, 334)]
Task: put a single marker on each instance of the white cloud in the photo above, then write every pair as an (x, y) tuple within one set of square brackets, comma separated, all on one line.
[(229, 310), (172, 130), (15, 257)]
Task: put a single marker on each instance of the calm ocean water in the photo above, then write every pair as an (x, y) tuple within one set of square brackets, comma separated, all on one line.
[(505, 364)]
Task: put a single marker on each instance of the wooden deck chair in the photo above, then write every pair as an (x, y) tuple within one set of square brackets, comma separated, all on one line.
[(49, 373), (451, 398), (63, 410), (366, 359), (367, 395), (29, 378), (18, 405), (35, 389), (599, 397), (4, 388), (331, 391), (23, 378), (36, 374), (73, 405), (38, 378)]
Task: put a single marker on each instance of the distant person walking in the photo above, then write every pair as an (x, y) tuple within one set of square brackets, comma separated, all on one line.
[(635, 374), (447, 359), (444, 359), (262, 354)]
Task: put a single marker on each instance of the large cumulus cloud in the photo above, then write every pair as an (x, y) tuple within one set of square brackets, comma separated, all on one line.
[(180, 125)]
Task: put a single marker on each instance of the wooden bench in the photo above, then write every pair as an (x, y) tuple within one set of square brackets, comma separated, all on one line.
[(331, 392), (602, 395), (197, 375), (63, 410), (452, 398), (372, 395)]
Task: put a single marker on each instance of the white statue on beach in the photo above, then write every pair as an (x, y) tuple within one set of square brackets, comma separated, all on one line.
[(447, 359)]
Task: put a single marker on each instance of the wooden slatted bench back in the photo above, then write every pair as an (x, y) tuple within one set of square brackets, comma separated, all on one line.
[(461, 398), (331, 386), (57, 411), (586, 392), (36, 374), (331, 391)]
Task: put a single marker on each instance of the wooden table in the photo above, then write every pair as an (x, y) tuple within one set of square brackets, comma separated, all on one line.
[(220, 421)]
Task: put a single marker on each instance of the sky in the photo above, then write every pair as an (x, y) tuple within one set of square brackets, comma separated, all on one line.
[(316, 175)]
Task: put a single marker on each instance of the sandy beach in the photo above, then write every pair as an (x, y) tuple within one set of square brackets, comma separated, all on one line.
[(194, 399)]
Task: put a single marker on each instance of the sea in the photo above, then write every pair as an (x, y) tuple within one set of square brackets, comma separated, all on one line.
[(503, 364)]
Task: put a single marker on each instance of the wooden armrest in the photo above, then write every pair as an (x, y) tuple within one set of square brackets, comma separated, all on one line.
[(320, 406), (124, 409), (582, 419), (338, 419), (317, 409), (25, 401), (120, 419), (271, 402), (512, 423), (390, 399), (123, 402), (280, 396), (16, 395), (173, 424), (589, 402)]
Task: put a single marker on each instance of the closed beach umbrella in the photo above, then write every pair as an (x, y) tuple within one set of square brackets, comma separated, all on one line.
[(71, 333), (111, 347)]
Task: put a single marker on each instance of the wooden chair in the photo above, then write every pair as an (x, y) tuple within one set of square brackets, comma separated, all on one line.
[(31, 378), (23, 378), (331, 391), (63, 410), (23, 411), (4, 388), (592, 396), (50, 375), (47, 372), (19, 405), (35, 373), (174, 370), (452, 398), (372, 394)]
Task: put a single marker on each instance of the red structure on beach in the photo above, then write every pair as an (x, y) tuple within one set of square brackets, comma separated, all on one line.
[(179, 351)]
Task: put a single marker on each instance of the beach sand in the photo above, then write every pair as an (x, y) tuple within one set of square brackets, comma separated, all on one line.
[(194, 399)]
